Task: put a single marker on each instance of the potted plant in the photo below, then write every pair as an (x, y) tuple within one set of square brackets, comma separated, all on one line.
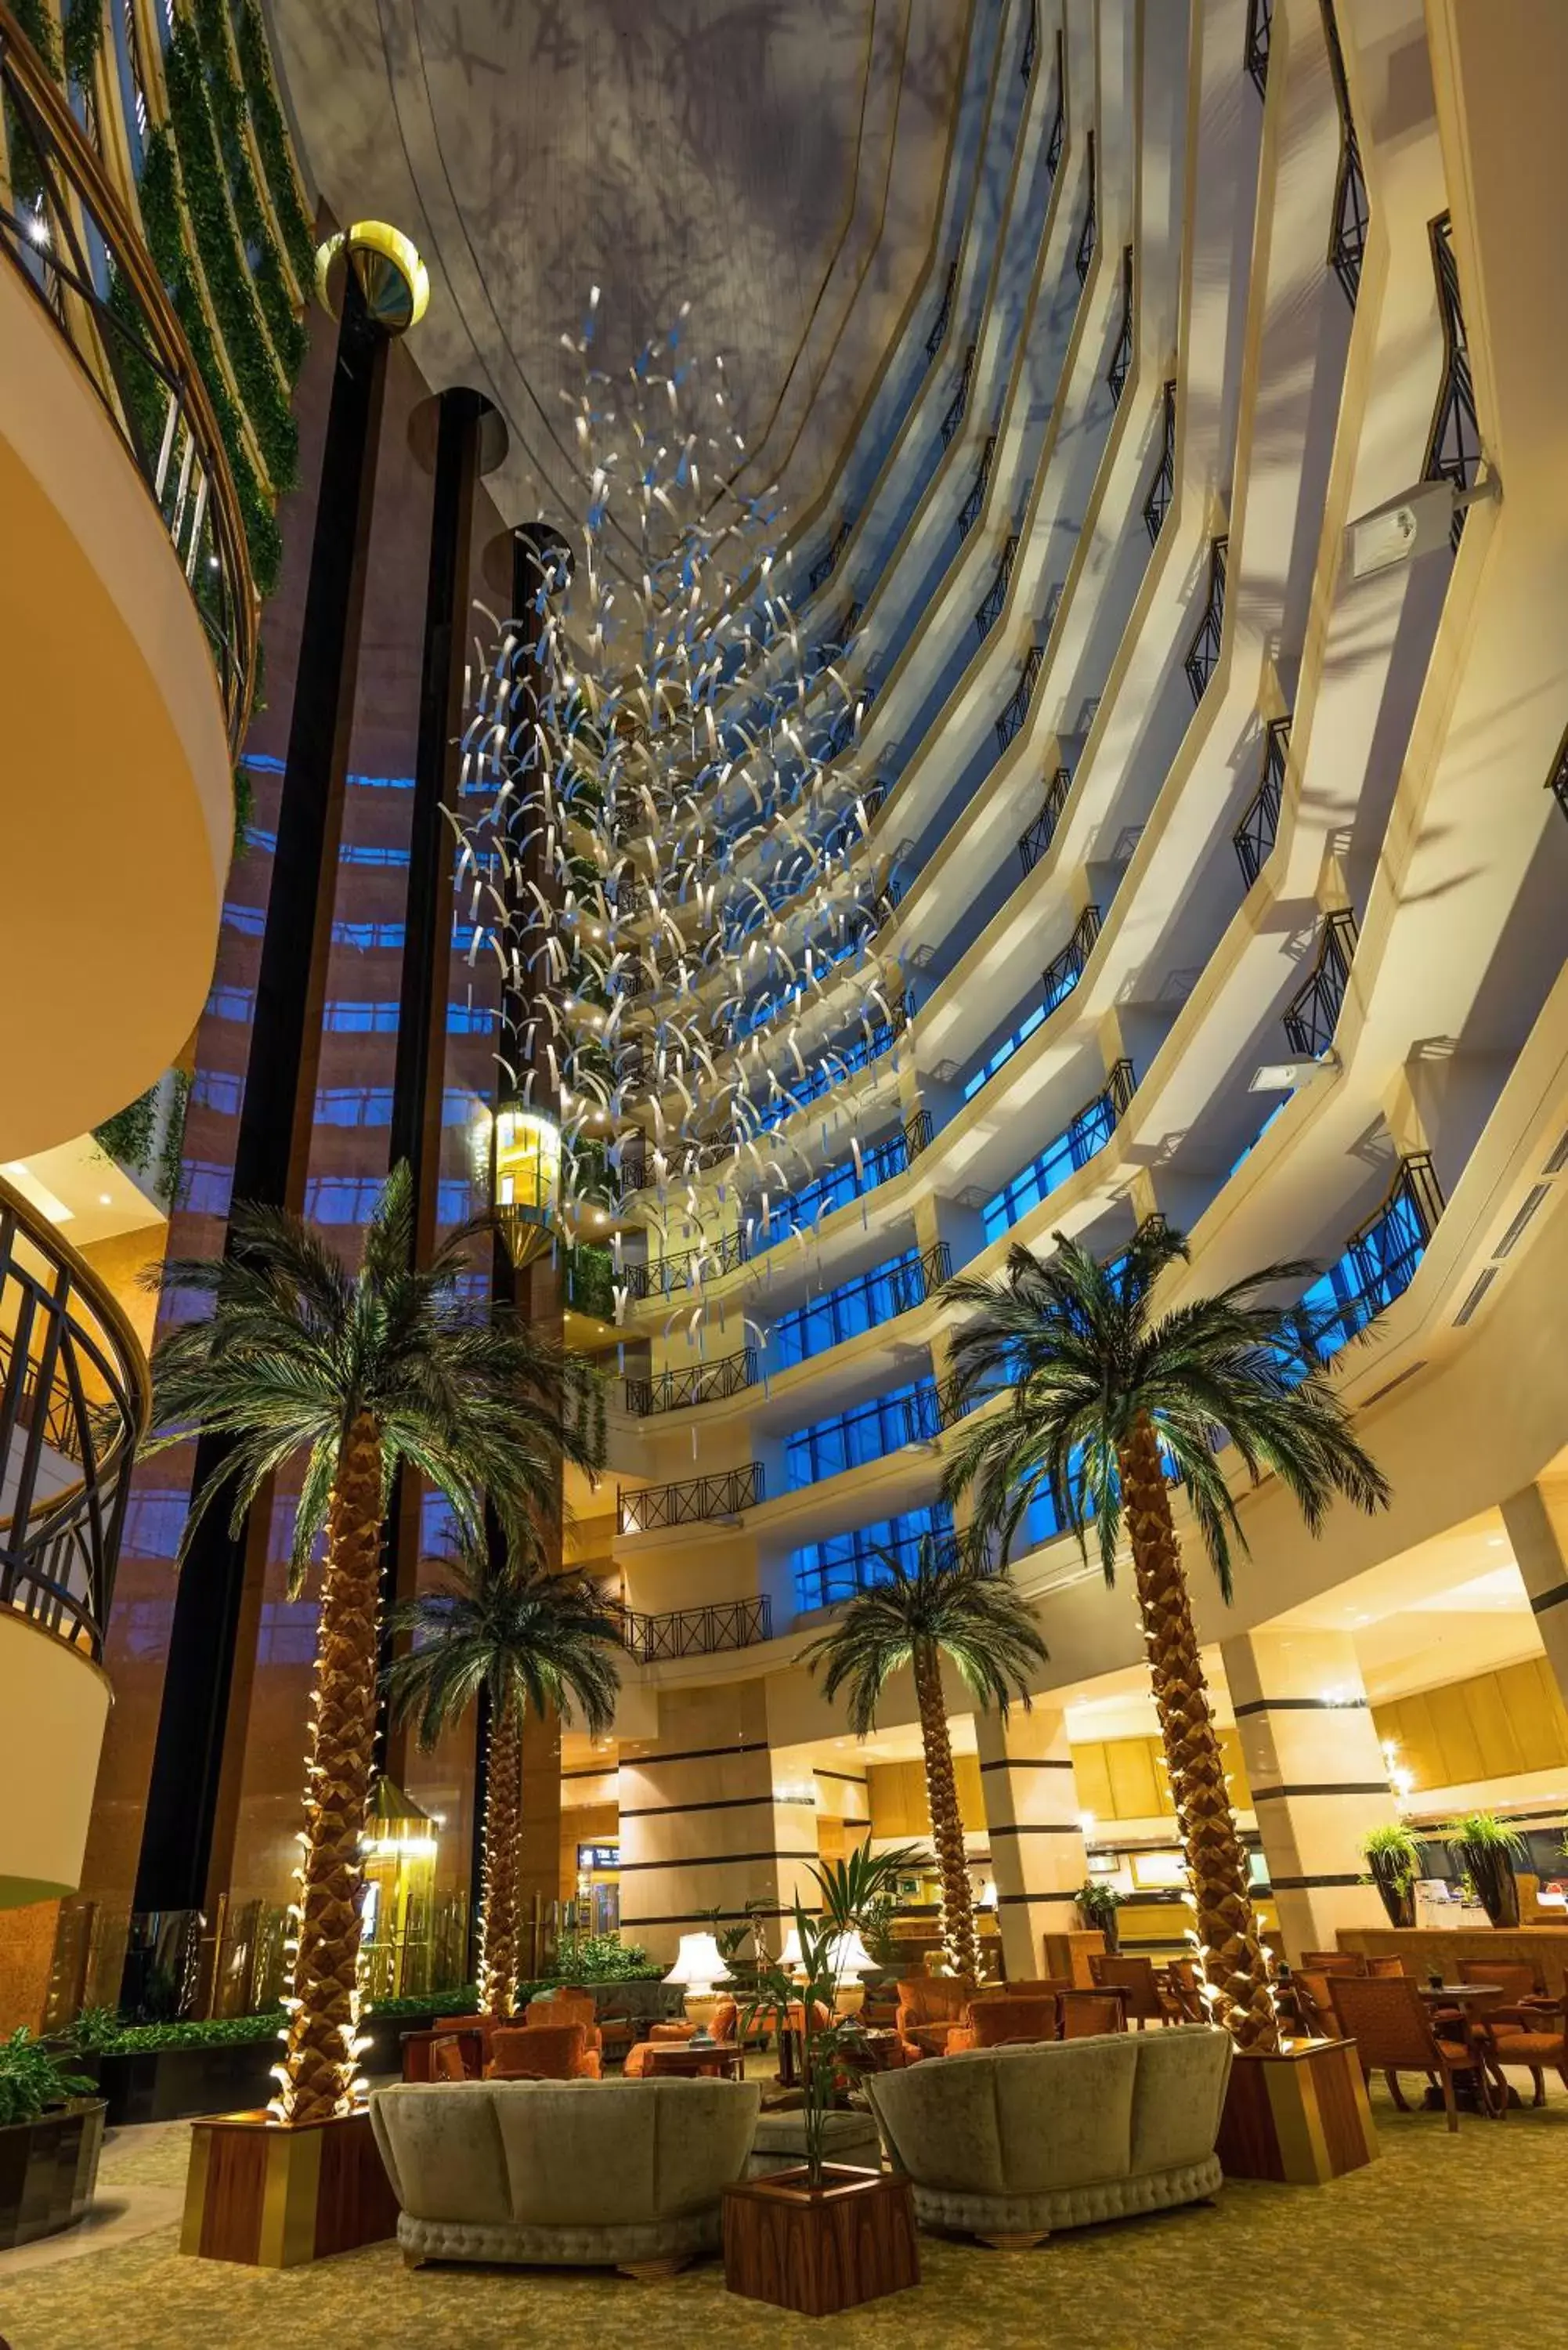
[(51, 2130), (1394, 1858), (1487, 1849), (1097, 1907), (826, 2236)]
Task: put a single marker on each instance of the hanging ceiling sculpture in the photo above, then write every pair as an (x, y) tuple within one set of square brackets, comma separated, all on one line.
[(663, 858)]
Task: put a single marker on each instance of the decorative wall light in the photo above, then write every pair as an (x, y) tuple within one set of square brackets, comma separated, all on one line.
[(527, 1184), (392, 279)]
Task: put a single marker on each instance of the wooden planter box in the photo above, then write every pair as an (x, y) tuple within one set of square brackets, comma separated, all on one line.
[(1300, 2117), (49, 2170), (271, 2198), (820, 2250), (167, 2084)]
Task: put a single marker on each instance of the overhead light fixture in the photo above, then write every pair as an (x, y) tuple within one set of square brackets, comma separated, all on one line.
[(1284, 1077), (1416, 523)]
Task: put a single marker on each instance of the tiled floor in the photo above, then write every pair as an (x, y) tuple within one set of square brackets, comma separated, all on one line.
[(1444, 2243)]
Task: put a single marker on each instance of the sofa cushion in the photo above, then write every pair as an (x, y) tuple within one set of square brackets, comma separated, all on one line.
[(613, 2154), (442, 2149), (1178, 2094)]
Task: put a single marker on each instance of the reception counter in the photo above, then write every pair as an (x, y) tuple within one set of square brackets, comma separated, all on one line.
[(1423, 1947)]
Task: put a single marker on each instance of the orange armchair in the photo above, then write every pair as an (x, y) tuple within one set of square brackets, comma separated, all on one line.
[(930, 2010), (542, 2051), (998, 2021), (567, 2007)]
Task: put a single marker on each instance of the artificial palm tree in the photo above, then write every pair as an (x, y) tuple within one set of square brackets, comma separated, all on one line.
[(947, 1604), (531, 1640), (351, 1376), (1109, 1402)]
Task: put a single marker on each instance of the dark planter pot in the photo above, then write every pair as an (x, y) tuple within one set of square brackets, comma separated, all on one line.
[(49, 2170), (818, 2250), (165, 2084), (1492, 1875), (1109, 1926), (1397, 1893)]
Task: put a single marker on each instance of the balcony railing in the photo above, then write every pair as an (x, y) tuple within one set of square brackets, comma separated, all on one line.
[(1063, 972), (968, 512), (1083, 259), (988, 611), (1454, 444), (823, 569), (702, 1383), (1033, 844), (959, 400), (1557, 781), (1352, 211), (1312, 1012), (1203, 653), (1260, 25), (1256, 835), (1016, 709), (1380, 1260), (661, 1276), (106, 300), (1120, 367), (938, 335), (1059, 119), (693, 1502), (74, 1402), (1030, 43), (1162, 489), (699, 1631)]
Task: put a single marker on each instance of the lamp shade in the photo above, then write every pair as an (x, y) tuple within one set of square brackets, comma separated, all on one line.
[(850, 1955), (791, 1959), (527, 1179), (698, 1963)]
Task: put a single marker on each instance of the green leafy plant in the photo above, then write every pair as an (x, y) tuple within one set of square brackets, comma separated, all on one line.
[(1483, 1831), (1392, 1852), (32, 2079), (602, 1958), (227, 100), (1099, 1903), (847, 1889), (1487, 1849), (84, 40), (130, 1135), (273, 141)]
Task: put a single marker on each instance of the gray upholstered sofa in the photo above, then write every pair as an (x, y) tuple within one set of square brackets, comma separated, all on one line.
[(611, 2174), (1008, 2143)]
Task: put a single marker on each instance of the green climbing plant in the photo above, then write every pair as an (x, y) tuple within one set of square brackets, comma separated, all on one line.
[(227, 102), (273, 142)]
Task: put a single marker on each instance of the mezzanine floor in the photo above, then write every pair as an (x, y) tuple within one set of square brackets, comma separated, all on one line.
[(1447, 2242)]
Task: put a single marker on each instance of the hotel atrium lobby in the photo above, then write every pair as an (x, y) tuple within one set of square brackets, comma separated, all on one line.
[(784, 1172)]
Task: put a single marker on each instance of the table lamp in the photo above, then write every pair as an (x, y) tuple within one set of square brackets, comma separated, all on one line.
[(851, 1960), (699, 1965)]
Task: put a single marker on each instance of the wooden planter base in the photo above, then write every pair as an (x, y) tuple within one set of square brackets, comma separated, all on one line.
[(272, 2197), (1301, 2116), (820, 2250)]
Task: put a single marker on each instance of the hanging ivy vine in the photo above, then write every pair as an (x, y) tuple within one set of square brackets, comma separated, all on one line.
[(273, 141), (227, 100)]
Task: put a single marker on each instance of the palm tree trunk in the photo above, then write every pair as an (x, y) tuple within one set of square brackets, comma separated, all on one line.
[(318, 2069), (960, 1946), (1232, 1958), (498, 1874)]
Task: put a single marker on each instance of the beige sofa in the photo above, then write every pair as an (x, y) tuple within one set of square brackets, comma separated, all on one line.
[(608, 2174), (1008, 2143)]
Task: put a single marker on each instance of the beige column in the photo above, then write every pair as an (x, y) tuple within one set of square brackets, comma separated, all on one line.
[(1036, 1842), (1317, 1776), (1537, 1524), (699, 1827)]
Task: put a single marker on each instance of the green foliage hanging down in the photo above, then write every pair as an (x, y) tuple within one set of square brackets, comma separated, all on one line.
[(227, 101), (39, 26), (84, 39), (160, 216), (271, 140), (589, 1280), (234, 305), (130, 1134)]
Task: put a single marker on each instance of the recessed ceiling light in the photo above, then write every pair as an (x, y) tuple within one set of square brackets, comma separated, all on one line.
[(104, 1200)]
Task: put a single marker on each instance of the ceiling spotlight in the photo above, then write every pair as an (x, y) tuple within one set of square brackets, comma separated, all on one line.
[(1415, 523), (1284, 1077)]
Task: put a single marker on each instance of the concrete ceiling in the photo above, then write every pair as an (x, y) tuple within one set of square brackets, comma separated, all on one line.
[(778, 165)]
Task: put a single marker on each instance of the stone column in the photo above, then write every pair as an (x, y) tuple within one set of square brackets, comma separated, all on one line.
[(699, 1827), (1036, 1842), (1537, 1524), (1317, 1776)]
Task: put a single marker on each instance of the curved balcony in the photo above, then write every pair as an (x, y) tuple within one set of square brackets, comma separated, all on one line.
[(74, 1401), (126, 652)]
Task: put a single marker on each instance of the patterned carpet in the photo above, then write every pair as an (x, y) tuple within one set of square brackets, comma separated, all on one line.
[(1446, 2243)]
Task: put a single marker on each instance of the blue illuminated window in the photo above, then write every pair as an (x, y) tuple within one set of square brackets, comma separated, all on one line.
[(834, 1188), (830, 1571), (1004, 1052), (343, 1015), (1378, 1267), (1088, 1132), (904, 1416), (877, 1297)]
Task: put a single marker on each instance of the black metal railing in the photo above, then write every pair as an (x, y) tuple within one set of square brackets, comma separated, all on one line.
[(661, 1276), (1312, 1011), (968, 512), (988, 611), (1062, 972), (827, 564), (702, 1383), (1557, 781), (1083, 259), (1203, 652), (70, 239), (74, 1403), (959, 400), (1162, 489), (1015, 710), (692, 1502), (1033, 844), (1260, 25), (639, 1161), (699, 1631), (1255, 836), (1454, 443), (1380, 1259), (1352, 211), (938, 335), (1120, 367), (1030, 43)]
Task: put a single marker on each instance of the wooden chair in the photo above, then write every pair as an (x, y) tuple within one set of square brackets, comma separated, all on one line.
[(995, 2021), (930, 2009), (1146, 2001), (1088, 2014), (542, 2051), (1385, 1969), (1181, 1985), (1525, 2025), (1314, 2003), (446, 2059), (1385, 2017), (1333, 1962)]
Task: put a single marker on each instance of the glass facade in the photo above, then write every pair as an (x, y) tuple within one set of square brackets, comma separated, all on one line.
[(877, 1297), (907, 1415), (835, 1569), (1073, 1147)]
